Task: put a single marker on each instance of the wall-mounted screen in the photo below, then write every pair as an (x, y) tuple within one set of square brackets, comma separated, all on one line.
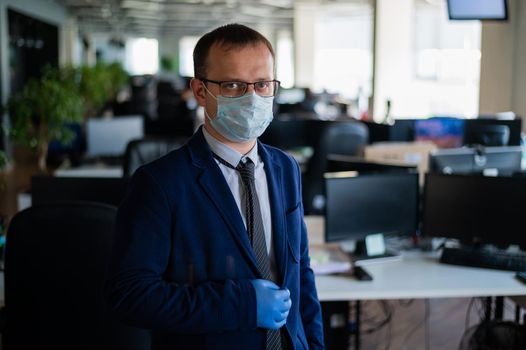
[(477, 9)]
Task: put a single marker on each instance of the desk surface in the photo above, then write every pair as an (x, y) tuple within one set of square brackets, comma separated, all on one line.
[(92, 170), (419, 276), (414, 275)]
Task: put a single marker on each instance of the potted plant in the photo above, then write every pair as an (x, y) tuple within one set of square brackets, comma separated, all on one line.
[(99, 85), (41, 112)]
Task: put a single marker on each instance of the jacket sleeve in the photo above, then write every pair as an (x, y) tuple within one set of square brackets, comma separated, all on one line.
[(136, 291), (310, 307)]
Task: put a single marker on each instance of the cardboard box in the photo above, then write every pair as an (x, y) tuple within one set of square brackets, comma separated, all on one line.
[(402, 153)]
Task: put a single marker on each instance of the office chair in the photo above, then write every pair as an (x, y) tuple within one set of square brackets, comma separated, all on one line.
[(341, 138), (50, 189), (142, 151), (55, 267)]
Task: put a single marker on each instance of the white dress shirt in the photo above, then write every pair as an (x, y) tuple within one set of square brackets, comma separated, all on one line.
[(237, 188)]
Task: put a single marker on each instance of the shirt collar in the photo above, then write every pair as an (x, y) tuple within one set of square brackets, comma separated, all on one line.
[(230, 155)]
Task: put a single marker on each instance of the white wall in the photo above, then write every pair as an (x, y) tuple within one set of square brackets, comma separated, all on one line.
[(304, 33), (393, 61), (518, 99), (503, 76), (497, 63)]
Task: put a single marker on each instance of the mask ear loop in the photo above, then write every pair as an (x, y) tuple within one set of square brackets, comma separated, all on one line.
[(215, 98), (209, 92)]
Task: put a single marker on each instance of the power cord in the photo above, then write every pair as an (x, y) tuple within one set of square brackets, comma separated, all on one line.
[(468, 314), (388, 312), (425, 322)]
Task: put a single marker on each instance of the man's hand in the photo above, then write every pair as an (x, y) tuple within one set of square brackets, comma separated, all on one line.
[(273, 304)]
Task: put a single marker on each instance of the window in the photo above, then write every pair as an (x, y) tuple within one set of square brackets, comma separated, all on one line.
[(142, 56), (446, 51), (343, 49), (285, 59), (186, 50), (426, 65)]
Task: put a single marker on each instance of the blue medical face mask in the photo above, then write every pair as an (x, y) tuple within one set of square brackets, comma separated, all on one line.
[(244, 118)]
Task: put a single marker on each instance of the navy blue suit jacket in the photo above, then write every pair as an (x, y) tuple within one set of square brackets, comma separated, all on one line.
[(182, 262)]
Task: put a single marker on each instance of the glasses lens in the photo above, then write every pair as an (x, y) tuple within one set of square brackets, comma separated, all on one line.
[(233, 88), (265, 88), (239, 88)]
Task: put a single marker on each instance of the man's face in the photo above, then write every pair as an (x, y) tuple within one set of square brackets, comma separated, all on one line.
[(249, 64)]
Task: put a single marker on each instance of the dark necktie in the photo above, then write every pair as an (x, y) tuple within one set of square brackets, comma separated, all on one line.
[(256, 233)]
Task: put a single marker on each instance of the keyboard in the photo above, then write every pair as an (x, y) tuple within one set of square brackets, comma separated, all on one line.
[(485, 258)]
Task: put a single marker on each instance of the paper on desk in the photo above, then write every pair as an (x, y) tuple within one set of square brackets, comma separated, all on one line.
[(328, 259)]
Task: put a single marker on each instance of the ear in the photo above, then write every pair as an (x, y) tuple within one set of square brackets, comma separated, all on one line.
[(198, 90)]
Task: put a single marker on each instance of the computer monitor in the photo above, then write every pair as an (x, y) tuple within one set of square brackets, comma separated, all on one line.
[(378, 132), (403, 130), (493, 161), (477, 131), (73, 150), (477, 9), (473, 208), (359, 206), (290, 95), (339, 163), (445, 132), (108, 137)]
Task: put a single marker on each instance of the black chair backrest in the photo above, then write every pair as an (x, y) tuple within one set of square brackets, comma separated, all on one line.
[(341, 138), (55, 266), (140, 152), (50, 189)]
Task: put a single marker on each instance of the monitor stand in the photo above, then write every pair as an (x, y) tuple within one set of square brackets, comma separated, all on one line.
[(371, 247)]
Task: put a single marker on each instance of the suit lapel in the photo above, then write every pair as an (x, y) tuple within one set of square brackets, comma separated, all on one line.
[(213, 183), (276, 198)]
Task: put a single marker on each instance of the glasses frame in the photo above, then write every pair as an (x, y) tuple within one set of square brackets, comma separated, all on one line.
[(274, 81)]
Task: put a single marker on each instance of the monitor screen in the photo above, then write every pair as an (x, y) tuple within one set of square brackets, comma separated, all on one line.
[(340, 162), (475, 208), (109, 137), (291, 95), (402, 130), (493, 161), (476, 130), (358, 206), (477, 9), (442, 131), (75, 145)]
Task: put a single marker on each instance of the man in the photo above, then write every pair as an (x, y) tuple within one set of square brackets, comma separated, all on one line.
[(211, 249)]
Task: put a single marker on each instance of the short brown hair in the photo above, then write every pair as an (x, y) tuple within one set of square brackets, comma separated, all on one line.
[(232, 36)]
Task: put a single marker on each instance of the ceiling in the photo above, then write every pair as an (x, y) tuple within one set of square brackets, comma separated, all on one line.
[(184, 17)]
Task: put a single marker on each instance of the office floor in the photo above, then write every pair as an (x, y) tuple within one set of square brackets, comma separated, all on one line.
[(407, 330)]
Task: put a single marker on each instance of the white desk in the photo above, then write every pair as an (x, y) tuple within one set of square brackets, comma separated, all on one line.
[(419, 276), (92, 170), (415, 275)]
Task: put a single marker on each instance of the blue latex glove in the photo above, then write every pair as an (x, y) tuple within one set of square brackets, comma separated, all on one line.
[(273, 304)]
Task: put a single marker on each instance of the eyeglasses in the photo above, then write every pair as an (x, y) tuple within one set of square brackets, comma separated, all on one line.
[(266, 88)]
